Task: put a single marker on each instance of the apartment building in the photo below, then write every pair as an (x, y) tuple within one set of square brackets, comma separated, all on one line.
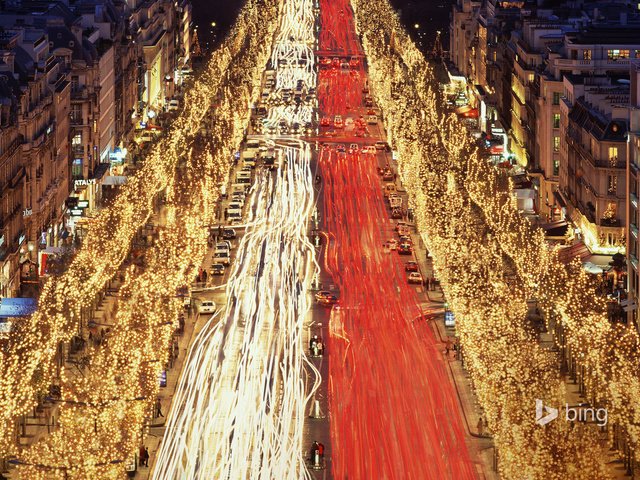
[(594, 123), (633, 189)]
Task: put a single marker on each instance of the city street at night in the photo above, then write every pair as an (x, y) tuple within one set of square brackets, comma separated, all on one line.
[(319, 240)]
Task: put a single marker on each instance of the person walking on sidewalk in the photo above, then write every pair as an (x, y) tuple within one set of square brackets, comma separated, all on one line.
[(143, 456), (159, 408), (480, 426)]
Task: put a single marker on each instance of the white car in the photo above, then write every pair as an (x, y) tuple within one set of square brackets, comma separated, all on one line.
[(207, 306), (222, 257), (173, 106), (415, 277), (222, 248)]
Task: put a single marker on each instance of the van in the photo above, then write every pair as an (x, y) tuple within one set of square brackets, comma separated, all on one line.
[(244, 180), (235, 206), (243, 174), (372, 119)]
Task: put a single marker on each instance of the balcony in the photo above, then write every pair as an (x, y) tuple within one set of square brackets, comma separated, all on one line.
[(80, 93), (610, 222)]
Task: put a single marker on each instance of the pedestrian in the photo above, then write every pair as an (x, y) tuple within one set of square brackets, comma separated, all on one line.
[(176, 350), (226, 214), (159, 408), (146, 457), (480, 426), (427, 282), (204, 276), (320, 347), (313, 342), (446, 350), (314, 449), (141, 455), (321, 450)]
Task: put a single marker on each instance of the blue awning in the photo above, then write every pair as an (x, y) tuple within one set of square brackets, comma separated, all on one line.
[(17, 307)]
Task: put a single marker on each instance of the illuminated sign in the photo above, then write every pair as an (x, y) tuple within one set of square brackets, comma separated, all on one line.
[(83, 203), (27, 212), (85, 182)]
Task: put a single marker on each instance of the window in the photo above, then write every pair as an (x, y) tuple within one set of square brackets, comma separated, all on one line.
[(76, 168), (76, 113), (76, 144), (615, 54), (586, 54), (556, 167), (613, 156), (75, 83), (637, 54), (574, 54), (556, 98), (531, 77), (556, 120), (556, 143), (612, 185)]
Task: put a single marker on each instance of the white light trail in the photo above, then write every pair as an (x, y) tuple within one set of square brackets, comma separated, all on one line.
[(240, 407), (293, 58)]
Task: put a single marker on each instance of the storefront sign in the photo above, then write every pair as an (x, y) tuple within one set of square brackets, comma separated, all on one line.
[(163, 378), (27, 212), (83, 203), (449, 319), (76, 212), (85, 182)]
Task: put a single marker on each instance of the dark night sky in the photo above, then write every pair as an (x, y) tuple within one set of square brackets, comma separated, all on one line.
[(431, 15)]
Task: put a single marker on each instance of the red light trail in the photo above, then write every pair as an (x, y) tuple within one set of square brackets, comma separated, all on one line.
[(394, 413)]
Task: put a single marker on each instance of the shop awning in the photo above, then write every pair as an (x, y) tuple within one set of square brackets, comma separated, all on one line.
[(17, 307), (115, 180), (467, 111), (577, 250), (555, 229), (100, 170)]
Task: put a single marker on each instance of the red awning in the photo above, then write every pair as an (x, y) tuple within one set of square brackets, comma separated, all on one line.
[(467, 112)]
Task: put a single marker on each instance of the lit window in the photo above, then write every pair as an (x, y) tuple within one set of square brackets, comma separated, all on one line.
[(586, 54), (556, 144), (556, 120), (556, 98), (556, 167), (613, 184), (613, 156), (615, 54)]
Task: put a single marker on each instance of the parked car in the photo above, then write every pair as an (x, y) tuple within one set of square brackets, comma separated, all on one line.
[(207, 306), (173, 105), (411, 266), (415, 277)]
